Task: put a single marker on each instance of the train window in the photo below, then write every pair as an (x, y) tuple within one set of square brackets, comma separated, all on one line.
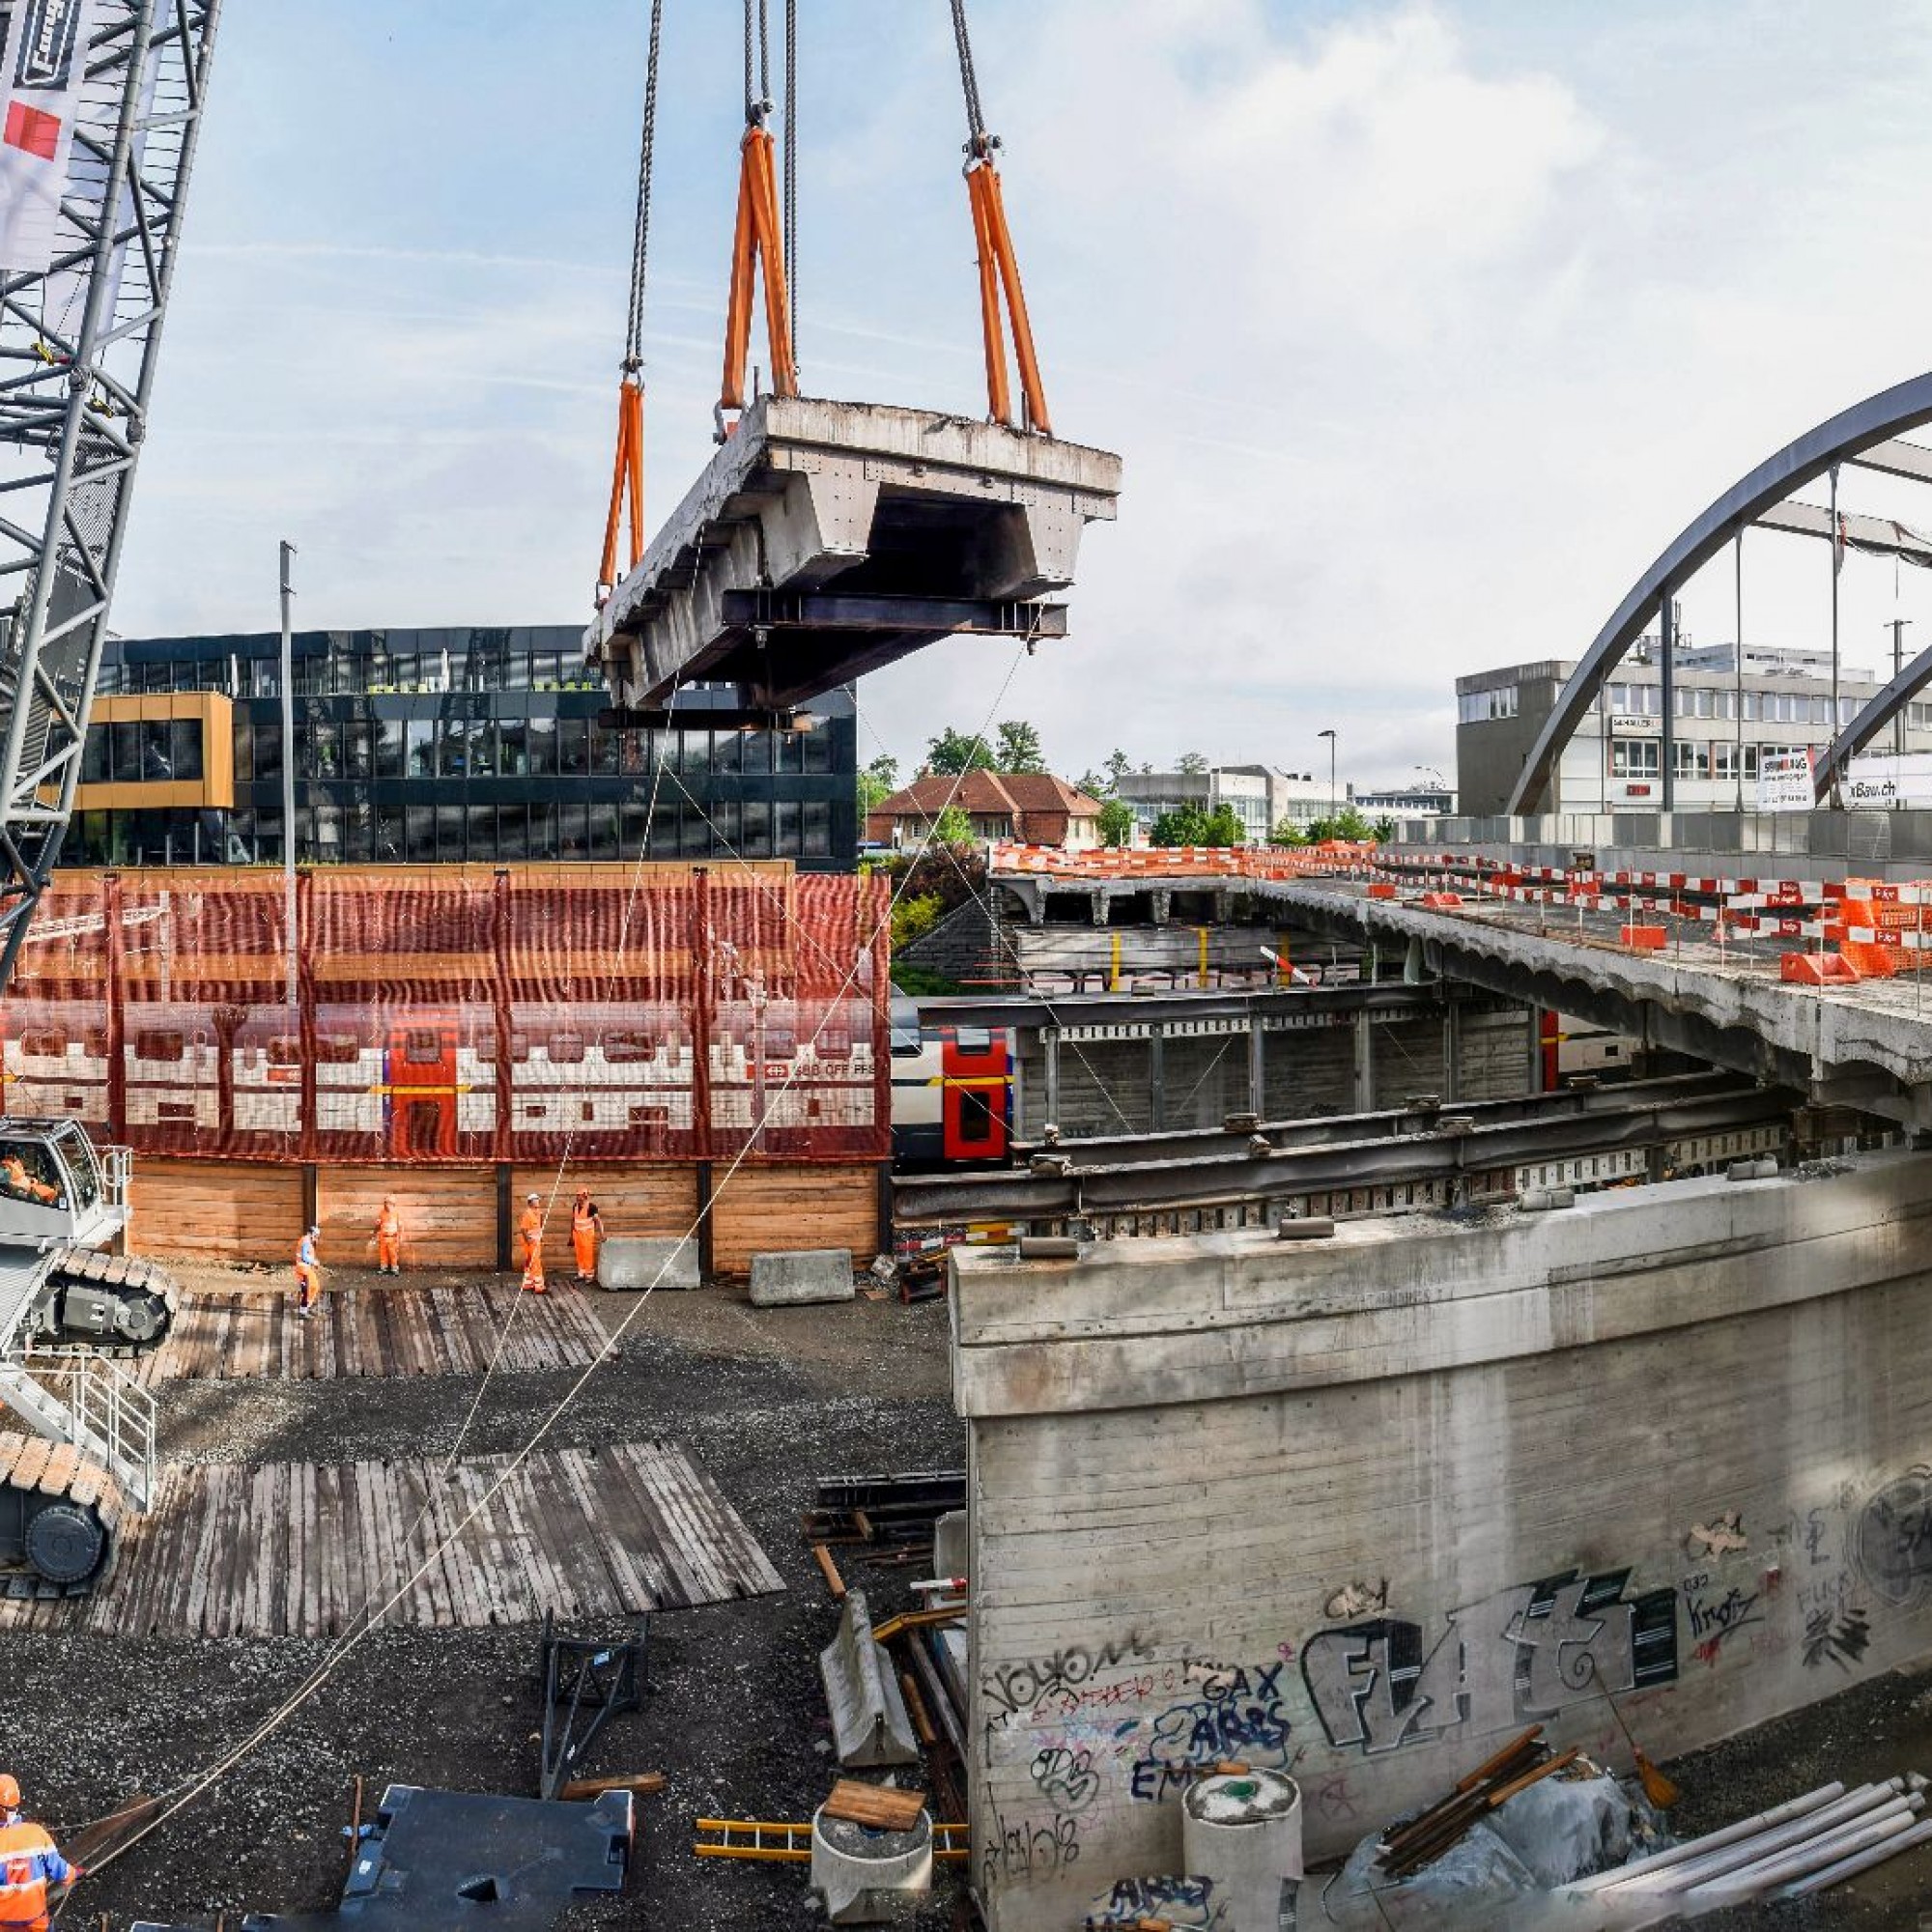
[(44, 1041), (486, 1048), (566, 1049), (337, 1049), (781, 1042), (94, 1043), (285, 1051), (975, 1115), (973, 1039), (422, 1047), (158, 1045), (623, 1050)]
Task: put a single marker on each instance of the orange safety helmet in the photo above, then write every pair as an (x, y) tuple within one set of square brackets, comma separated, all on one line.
[(9, 1792)]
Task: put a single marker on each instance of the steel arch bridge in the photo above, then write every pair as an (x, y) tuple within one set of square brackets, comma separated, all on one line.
[(1870, 435)]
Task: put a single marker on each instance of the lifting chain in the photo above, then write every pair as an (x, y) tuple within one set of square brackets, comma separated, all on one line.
[(640, 244), (978, 143)]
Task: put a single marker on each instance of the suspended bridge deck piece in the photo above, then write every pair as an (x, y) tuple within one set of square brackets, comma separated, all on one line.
[(826, 539)]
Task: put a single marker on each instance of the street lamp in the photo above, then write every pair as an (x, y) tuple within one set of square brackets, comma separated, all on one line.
[(1330, 734)]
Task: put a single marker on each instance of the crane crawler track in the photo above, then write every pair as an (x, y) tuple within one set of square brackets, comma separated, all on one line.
[(60, 1514), (119, 1304)]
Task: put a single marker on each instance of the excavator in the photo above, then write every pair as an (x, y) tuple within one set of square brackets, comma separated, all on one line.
[(103, 108)]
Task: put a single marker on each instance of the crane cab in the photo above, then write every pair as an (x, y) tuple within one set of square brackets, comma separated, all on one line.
[(54, 1186)]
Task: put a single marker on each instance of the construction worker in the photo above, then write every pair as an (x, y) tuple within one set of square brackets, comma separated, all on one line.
[(28, 1864), (587, 1231), (13, 1175), (308, 1274), (389, 1240), (531, 1227)]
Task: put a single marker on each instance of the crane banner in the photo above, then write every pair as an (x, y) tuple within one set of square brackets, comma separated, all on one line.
[(45, 64)]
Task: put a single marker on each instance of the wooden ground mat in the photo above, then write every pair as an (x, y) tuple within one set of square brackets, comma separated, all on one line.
[(296, 1548), (430, 1331)]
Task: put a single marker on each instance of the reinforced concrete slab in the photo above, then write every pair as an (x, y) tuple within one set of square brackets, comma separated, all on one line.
[(634, 1262), (825, 539), (802, 1276)]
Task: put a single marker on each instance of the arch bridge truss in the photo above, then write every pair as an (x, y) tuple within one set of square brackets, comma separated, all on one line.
[(1874, 434)]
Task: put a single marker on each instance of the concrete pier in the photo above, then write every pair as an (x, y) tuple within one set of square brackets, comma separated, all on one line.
[(1361, 1507), (826, 539)]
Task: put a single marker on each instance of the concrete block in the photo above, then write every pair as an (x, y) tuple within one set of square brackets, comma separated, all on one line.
[(869, 1724), (637, 1262), (802, 1276), (948, 1544)]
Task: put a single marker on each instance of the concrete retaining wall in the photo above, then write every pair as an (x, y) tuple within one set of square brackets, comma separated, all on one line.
[(1363, 1507)]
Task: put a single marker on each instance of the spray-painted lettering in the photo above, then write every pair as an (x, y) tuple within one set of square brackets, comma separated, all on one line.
[(1521, 1655)]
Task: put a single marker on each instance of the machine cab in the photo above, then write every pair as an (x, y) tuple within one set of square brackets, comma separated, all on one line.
[(53, 1186)]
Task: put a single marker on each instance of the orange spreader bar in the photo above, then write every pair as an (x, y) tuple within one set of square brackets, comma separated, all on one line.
[(759, 243), (627, 483), (999, 271)]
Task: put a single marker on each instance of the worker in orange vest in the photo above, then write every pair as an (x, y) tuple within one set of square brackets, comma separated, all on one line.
[(389, 1240), (531, 1228), (308, 1280), (587, 1231), (18, 1181), (28, 1864)]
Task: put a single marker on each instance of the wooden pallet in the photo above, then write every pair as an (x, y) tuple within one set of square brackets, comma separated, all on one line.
[(429, 1331), (297, 1548)]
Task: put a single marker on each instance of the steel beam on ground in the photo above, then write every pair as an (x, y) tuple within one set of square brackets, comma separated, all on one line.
[(1318, 1170)]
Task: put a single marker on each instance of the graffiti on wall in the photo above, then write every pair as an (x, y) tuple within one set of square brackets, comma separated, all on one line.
[(1226, 1710), (1517, 1656), (1891, 1539)]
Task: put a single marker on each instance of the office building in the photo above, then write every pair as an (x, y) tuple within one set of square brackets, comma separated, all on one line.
[(436, 746)]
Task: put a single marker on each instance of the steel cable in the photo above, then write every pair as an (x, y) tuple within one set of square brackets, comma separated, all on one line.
[(641, 242), (791, 173), (969, 80)]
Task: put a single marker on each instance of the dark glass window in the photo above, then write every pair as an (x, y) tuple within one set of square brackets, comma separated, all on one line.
[(94, 758), (357, 828), (573, 835), (664, 829), (602, 829), (543, 830), (786, 844), (696, 842), (124, 752), (817, 843), (728, 752), (542, 736), (482, 833), (573, 746), (756, 842), (357, 752), (790, 750), (453, 761), (420, 849), (184, 746), (267, 752), (388, 747), (513, 739), (818, 748), (606, 751), (449, 830), (419, 734), (757, 752), (633, 816), (389, 835), (725, 823), (513, 836)]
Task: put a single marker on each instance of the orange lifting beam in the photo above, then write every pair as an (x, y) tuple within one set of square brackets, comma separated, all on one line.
[(758, 243), (999, 271), (627, 483)]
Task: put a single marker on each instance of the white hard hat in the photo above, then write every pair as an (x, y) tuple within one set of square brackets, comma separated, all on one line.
[(532, 1197)]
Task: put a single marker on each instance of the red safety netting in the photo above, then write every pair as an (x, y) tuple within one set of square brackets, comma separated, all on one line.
[(460, 1015)]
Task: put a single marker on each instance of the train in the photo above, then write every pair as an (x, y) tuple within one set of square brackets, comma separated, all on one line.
[(613, 1080)]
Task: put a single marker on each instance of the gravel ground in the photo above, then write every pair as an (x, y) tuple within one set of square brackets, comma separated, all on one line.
[(767, 1400)]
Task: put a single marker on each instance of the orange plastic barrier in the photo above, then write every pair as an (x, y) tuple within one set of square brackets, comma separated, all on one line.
[(1643, 938), (1817, 969)]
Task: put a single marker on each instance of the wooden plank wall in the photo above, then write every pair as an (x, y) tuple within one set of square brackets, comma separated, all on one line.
[(657, 1200), (209, 1210), (449, 1214), (764, 1207)]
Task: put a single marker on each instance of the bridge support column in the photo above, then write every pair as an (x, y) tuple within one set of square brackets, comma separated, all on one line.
[(1257, 1067), (1049, 1047), (1097, 901), (1163, 905), (1365, 1063), (1156, 1079), (1452, 1049)]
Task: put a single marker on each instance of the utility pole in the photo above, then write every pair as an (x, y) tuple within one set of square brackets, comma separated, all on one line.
[(1333, 812), (289, 768), (1896, 626), (1837, 565)]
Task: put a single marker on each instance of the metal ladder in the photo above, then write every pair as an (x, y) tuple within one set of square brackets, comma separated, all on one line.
[(761, 1838), (85, 1399)]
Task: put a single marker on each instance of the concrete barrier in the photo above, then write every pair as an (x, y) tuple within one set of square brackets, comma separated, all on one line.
[(811, 1274), (636, 1262), (868, 1715)]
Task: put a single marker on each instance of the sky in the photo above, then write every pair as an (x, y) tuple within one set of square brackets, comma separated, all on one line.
[(1421, 328)]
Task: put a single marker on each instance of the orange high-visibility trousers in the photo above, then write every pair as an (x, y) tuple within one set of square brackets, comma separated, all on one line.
[(388, 1251), (534, 1274), (583, 1244)]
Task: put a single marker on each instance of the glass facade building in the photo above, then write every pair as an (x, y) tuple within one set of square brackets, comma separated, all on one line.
[(437, 746)]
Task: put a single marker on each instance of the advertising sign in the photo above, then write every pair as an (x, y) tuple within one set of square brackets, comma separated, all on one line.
[(1633, 725), (45, 64), (1878, 780), (1784, 780)]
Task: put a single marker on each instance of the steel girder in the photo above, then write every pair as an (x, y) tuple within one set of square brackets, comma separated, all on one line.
[(78, 350), (1867, 430)]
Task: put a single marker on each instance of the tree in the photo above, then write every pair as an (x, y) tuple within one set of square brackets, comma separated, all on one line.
[(1191, 825), (954, 752), (1286, 833), (1347, 823), (1093, 784), (1018, 748), (953, 828), (1117, 766), (1384, 831), (1192, 764), (877, 782), (1117, 822)]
